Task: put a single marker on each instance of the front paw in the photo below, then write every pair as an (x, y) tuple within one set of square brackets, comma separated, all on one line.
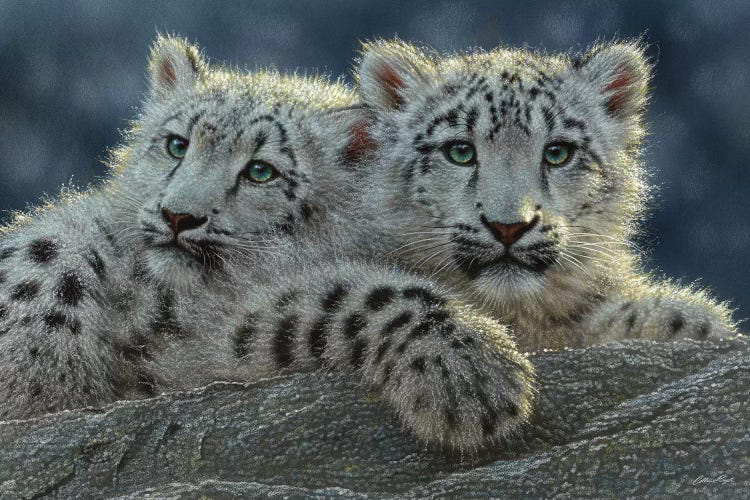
[(667, 319), (465, 394)]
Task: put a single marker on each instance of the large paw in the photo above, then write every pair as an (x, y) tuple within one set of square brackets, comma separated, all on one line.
[(463, 389)]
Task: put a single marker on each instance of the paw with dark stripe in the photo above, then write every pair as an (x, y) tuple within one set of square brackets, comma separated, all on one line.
[(660, 318), (459, 385)]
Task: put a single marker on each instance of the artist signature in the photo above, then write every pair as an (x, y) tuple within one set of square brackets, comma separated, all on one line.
[(720, 479)]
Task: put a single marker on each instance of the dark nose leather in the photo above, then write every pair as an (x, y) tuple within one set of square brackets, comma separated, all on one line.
[(507, 234), (181, 222)]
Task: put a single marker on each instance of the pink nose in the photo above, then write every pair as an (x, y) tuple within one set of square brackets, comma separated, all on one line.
[(181, 222), (507, 234)]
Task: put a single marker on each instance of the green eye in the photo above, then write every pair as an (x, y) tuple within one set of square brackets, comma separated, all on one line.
[(558, 153), (460, 153), (260, 171), (177, 146)]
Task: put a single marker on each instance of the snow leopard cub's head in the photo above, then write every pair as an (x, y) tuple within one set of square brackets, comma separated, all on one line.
[(512, 169), (221, 164)]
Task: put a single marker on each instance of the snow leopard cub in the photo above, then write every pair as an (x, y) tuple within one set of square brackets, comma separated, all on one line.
[(207, 256), (90, 283), (520, 182)]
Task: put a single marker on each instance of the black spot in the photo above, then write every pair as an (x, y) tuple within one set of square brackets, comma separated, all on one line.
[(70, 289), (55, 319), (512, 409), (443, 369), (140, 270), (333, 300), (25, 291), (677, 323), (631, 321), (354, 324), (286, 299), (7, 252), (422, 329), (307, 211), (438, 316), (418, 364), (317, 338), (488, 425), (451, 418), (382, 349), (3, 277), (380, 297), (35, 389), (42, 250), (387, 373), (490, 418), (3, 310), (704, 330), (165, 322), (243, 335), (96, 263), (420, 404), (358, 350), (75, 326), (283, 341), (425, 295), (399, 321), (34, 352)]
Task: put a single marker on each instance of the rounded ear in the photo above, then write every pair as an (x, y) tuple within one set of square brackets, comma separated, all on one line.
[(345, 132), (390, 72), (620, 74), (174, 64)]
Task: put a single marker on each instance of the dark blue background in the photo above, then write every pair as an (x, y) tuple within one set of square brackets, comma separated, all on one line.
[(73, 73)]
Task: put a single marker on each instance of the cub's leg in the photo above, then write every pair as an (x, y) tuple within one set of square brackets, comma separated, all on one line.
[(454, 378), (54, 352), (659, 314)]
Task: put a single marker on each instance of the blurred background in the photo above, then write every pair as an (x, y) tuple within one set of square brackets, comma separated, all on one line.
[(73, 73)]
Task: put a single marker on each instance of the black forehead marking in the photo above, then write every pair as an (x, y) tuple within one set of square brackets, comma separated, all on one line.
[(260, 139), (262, 118), (479, 86), (569, 123)]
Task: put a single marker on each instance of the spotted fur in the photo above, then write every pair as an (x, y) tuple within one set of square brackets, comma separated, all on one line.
[(181, 270), (93, 283), (544, 249)]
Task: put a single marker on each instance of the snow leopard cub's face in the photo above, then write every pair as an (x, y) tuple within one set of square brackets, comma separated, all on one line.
[(515, 169), (219, 171)]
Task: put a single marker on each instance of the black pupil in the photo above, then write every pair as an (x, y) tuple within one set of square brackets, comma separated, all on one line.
[(463, 150)]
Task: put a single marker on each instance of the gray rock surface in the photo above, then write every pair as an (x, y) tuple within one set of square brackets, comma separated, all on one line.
[(622, 419)]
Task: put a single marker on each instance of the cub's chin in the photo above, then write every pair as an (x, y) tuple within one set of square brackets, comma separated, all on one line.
[(175, 268), (506, 284)]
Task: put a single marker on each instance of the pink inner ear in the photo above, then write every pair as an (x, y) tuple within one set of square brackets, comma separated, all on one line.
[(361, 143), (392, 83), (167, 71), (620, 88)]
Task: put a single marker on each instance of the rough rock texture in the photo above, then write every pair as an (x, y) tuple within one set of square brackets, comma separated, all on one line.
[(631, 419)]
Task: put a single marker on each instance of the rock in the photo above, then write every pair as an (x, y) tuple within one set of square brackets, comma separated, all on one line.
[(622, 419)]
